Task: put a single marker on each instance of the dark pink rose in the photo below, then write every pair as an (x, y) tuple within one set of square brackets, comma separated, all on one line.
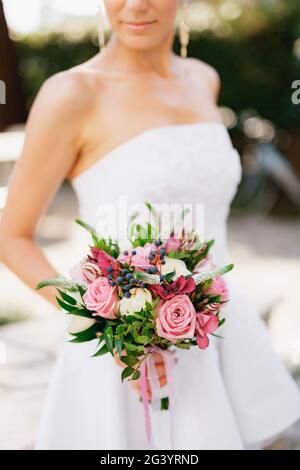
[(180, 286), (104, 260), (172, 244), (176, 318), (101, 298), (205, 324)]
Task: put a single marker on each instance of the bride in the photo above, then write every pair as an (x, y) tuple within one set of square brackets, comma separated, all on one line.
[(140, 122)]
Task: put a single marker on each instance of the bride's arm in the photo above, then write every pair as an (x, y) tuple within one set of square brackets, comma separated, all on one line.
[(52, 143)]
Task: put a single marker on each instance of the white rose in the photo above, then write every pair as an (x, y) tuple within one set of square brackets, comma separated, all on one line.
[(177, 265), (79, 323), (136, 302)]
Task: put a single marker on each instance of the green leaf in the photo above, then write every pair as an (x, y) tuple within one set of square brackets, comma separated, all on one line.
[(127, 372), (136, 375), (86, 335), (139, 315), (169, 276), (207, 284), (164, 403), (183, 345), (81, 290), (120, 329), (129, 360), (101, 351), (130, 318), (88, 227), (65, 306), (108, 338), (133, 347), (81, 313), (119, 345), (217, 336), (148, 331), (215, 298), (67, 298), (142, 339), (154, 213)]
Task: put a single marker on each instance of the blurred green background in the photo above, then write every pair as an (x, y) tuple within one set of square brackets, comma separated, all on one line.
[(254, 45)]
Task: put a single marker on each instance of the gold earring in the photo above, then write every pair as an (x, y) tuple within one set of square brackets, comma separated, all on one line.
[(101, 28), (184, 28)]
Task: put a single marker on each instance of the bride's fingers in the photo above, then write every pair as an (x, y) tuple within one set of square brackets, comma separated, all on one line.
[(136, 384), (160, 369), (157, 358), (137, 387)]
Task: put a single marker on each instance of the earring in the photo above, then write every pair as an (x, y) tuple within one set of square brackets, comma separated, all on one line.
[(101, 28), (184, 28)]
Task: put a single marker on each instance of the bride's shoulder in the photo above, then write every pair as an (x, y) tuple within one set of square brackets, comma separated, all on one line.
[(69, 88), (201, 70)]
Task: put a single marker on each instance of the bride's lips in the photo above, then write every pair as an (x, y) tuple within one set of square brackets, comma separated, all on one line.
[(138, 26)]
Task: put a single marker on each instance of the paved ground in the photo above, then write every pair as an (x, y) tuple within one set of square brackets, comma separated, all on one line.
[(266, 251)]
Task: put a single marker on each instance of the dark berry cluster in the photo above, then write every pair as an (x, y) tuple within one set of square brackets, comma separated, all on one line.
[(157, 257), (125, 279)]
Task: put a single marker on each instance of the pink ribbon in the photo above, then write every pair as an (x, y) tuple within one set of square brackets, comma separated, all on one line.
[(169, 360)]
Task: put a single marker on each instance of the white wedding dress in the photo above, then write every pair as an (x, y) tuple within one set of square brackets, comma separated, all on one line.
[(234, 394)]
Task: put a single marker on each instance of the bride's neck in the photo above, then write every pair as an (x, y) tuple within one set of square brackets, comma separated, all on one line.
[(158, 60)]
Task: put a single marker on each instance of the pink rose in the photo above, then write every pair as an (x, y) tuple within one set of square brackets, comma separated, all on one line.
[(176, 318), (172, 244), (205, 324), (140, 258), (180, 286), (205, 264), (219, 287), (101, 298)]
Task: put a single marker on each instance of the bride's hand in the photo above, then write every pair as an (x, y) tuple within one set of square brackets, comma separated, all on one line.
[(161, 372)]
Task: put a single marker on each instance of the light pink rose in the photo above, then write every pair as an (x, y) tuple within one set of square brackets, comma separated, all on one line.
[(205, 264), (101, 298), (219, 287), (76, 273), (140, 259), (85, 271), (176, 318), (205, 325)]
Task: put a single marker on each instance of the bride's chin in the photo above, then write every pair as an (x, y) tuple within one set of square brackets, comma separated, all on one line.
[(139, 43)]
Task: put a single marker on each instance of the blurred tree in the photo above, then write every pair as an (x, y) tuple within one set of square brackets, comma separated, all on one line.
[(14, 110)]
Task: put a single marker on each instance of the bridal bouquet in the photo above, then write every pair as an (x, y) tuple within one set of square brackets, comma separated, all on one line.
[(158, 295)]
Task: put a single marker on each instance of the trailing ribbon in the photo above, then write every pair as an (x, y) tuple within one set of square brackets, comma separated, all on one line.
[(169, 361)]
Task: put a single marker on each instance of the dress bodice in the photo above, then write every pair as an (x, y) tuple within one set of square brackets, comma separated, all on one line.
[(185, 164)]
